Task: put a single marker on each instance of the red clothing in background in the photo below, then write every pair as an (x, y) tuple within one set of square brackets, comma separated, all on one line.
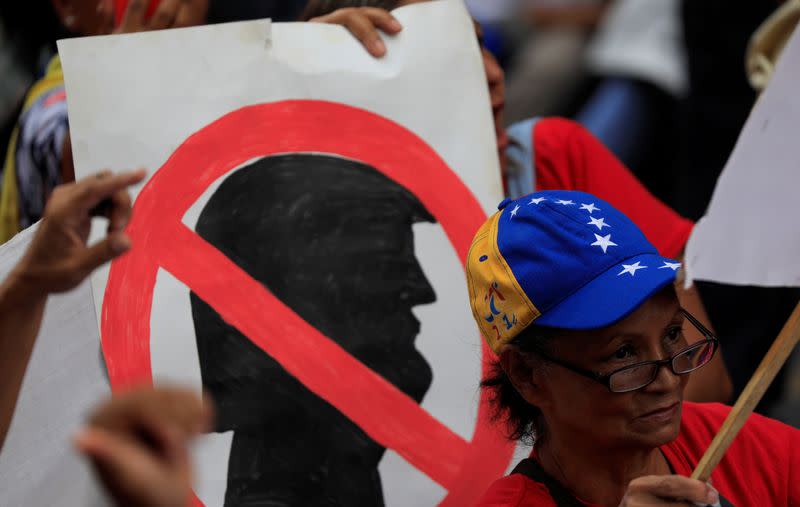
[(762, 466), (568, 157)]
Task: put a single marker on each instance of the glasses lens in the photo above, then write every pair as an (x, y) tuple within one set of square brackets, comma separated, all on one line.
[(631, 379), (693, 357)]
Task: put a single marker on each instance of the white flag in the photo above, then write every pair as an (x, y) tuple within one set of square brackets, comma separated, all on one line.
[(751, 232)]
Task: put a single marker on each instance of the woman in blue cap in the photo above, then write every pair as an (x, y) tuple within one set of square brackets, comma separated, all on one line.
[(592, 365)]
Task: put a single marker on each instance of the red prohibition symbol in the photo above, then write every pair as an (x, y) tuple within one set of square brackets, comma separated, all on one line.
[(162, 241)]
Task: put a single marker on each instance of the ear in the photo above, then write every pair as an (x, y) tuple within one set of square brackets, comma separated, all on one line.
[(526, 378)]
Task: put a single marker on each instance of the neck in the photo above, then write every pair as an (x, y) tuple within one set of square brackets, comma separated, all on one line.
[(318, 469), (598, 475)]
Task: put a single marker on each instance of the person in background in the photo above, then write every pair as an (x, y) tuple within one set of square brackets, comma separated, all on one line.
[(593, 360), (57, 260), (28, 31), (39, 153), (638, 60), (549, 154), (138, 444), (547, 74), (226, 11)]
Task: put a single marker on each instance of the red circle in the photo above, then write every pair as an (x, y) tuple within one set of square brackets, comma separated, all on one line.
[(270, 129)]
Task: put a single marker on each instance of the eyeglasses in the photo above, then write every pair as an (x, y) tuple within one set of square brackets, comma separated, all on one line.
[(640, 375)]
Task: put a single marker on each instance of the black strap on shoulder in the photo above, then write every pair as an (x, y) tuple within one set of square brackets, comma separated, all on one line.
[(531, 469)]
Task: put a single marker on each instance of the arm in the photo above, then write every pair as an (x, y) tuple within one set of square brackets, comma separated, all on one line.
[(57, 260), (21, 310)]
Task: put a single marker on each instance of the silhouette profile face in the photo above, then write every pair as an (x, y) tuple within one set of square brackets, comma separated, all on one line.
[(333, 240)]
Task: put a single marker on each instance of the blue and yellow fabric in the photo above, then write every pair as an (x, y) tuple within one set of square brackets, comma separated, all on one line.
[(560, 259), (10, 220)]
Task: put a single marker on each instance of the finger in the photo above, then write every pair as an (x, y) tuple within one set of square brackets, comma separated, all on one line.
[(114, 456), (133, 20), (101, 252), (177, 407), (362, 29), (164, 436), (192, 13), (384, 20), (183, 409), (105, 14), (120, 211), (209, 413), (675, 487), (103, 209), (97, 443), (91, 191), (165, 14)]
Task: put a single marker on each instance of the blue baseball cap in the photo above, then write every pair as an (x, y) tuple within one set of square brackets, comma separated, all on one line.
[(561, 259)]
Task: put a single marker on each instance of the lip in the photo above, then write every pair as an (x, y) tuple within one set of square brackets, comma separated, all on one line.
[(662, 414)]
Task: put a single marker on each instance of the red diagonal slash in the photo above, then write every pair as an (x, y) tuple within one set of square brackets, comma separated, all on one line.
[(160, 240), (316, 360)]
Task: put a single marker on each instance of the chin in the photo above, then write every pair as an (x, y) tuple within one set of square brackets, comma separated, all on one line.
[(654, 432)]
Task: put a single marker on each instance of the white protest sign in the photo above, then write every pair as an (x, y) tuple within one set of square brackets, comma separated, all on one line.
[(64, 379), (298, 249), (750, 234)]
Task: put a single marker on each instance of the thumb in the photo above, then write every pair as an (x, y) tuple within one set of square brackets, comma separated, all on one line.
[(104, 251), (115, 458)]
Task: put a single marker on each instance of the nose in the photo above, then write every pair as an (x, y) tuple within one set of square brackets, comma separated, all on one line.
[(418, 290), (666, 381)]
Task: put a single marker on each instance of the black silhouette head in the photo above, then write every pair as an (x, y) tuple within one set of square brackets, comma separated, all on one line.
[(332, 239)]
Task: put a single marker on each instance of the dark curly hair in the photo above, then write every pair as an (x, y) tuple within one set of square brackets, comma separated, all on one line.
[(524, 422), (316, 8)]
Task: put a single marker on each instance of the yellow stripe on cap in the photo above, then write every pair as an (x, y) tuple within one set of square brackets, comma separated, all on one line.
[(499, 305)]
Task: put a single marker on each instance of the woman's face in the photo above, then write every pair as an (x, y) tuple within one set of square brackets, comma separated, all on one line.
[(584, 408)]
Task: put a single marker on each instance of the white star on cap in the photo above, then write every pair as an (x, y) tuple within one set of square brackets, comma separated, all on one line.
[(631, 268), (599, 222), (674, 266), (565, 203), (603, 242), (537, 200), (590, 208), (514, 211)]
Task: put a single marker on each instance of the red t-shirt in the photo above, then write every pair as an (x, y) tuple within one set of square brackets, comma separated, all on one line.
[(569, 157), (761, 468)]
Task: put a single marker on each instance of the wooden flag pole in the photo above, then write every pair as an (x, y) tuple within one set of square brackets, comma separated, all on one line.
[(752, 394)]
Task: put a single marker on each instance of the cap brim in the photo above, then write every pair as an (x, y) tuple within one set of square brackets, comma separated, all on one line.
[(611, 296)]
